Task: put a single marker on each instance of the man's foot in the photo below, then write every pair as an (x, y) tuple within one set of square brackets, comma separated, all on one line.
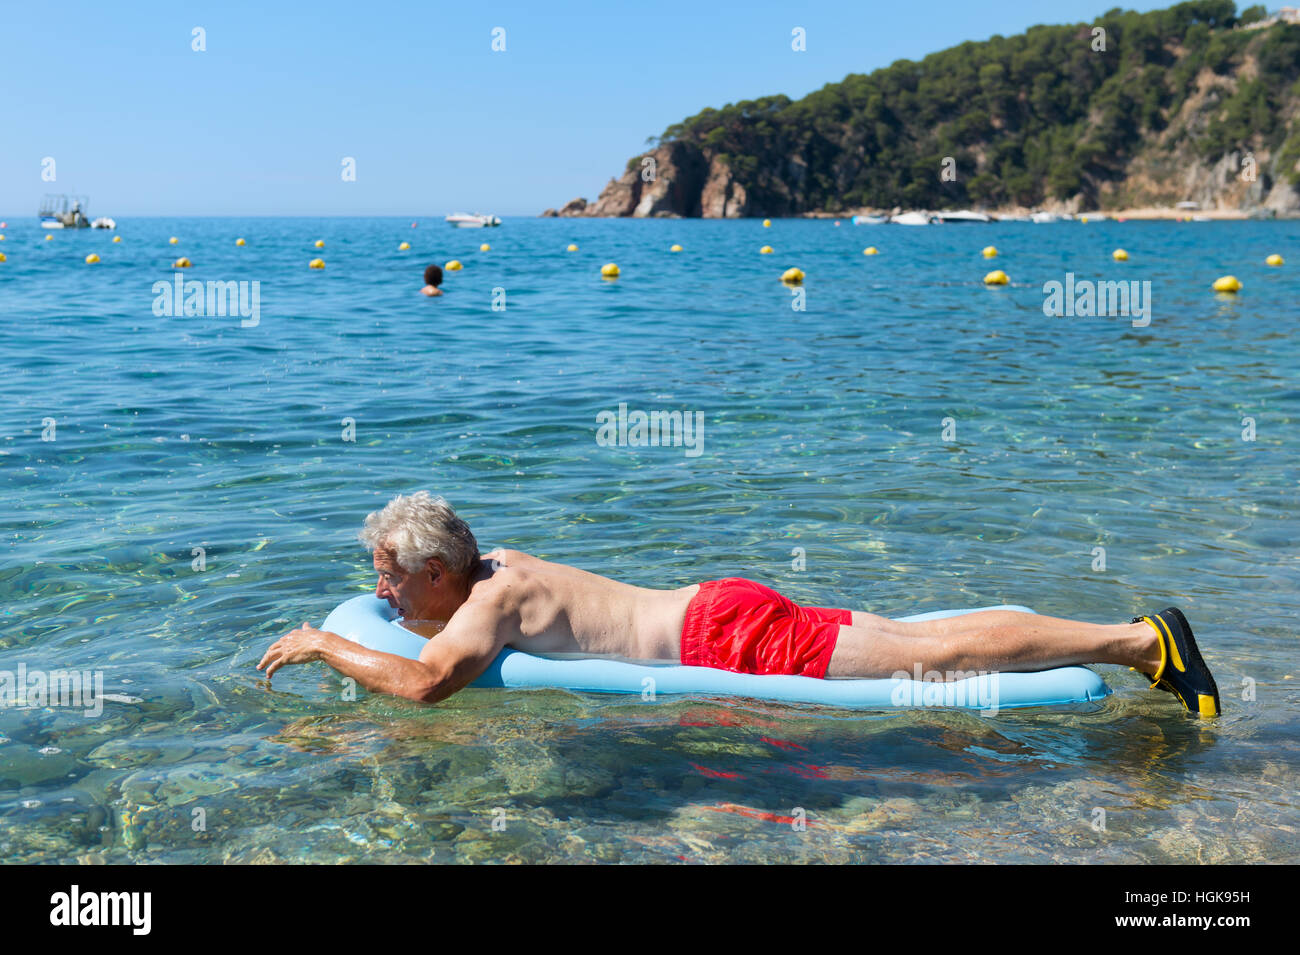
[(1182, 672)]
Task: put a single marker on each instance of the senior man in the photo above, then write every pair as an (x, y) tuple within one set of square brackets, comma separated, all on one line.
[(429, 569)]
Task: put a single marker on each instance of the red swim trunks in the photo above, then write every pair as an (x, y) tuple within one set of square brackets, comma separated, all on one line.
[(738, 625)]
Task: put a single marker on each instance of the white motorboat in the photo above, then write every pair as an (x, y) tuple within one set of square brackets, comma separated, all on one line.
[(103, 222), (912, 218), (1041, 217), (964, 215), (870, 220), (463, 220)]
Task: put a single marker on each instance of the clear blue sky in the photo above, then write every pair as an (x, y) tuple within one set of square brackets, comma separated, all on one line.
[(258, 123)]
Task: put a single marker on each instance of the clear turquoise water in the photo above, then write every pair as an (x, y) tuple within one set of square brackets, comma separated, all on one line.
[(823, 432)]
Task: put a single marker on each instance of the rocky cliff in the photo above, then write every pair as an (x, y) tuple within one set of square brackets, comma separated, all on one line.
[(673, 179)]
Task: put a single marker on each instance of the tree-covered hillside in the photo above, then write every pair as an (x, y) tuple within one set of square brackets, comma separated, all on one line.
[(1054, 113)]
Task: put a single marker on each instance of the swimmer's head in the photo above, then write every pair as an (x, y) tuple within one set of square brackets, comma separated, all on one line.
[(433, 275), (424, 555)]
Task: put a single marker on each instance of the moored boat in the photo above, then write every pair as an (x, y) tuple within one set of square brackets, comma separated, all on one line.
[(962, 215), (463, 220), (63, 212), (912, 218)]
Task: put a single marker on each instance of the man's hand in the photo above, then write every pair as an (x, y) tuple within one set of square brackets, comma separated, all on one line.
[(304, 645), (471, 641)]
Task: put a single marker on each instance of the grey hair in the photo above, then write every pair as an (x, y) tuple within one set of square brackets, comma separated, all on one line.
[(420, 526)]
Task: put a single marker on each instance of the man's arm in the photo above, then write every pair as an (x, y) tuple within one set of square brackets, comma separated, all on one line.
[(448, 663)]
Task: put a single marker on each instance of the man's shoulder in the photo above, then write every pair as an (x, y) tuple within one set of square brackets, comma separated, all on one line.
[(505, 579), (512, 558)]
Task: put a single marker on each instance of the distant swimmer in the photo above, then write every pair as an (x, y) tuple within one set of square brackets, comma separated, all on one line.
[(429, 569), (432, 279)]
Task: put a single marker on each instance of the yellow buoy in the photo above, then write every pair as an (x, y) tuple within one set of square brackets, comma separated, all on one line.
[(675, 248), (1228, 283), (1273, 259), (792, 276), (2, 238), (182, 263), (767, 223), (316, 264), (871, 250), (573, 247), (609, 270), (116, 238), (403, 247), (485, 247), (240, 242), (1119, 255), (320, 243), (2, 257), (92, 259), (996, 277), (48, 237), (453, 266), (173, 240), (765, 250), (990, 252), (1083, 218)]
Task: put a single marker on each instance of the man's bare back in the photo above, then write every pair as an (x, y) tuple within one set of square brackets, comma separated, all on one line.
[(543, 607)]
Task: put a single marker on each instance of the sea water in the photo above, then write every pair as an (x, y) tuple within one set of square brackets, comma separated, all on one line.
[(183, 486)]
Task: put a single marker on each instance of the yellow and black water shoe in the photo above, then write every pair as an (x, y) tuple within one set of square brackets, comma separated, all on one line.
[(1182, 671)]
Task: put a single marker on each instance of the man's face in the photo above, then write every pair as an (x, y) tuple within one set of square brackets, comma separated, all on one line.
[(412, 594)]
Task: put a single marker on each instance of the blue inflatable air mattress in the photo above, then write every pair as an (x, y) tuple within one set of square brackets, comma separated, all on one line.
[(369, 621)]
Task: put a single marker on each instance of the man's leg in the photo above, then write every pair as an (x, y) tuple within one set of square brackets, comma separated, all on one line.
[(1003, 640)]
